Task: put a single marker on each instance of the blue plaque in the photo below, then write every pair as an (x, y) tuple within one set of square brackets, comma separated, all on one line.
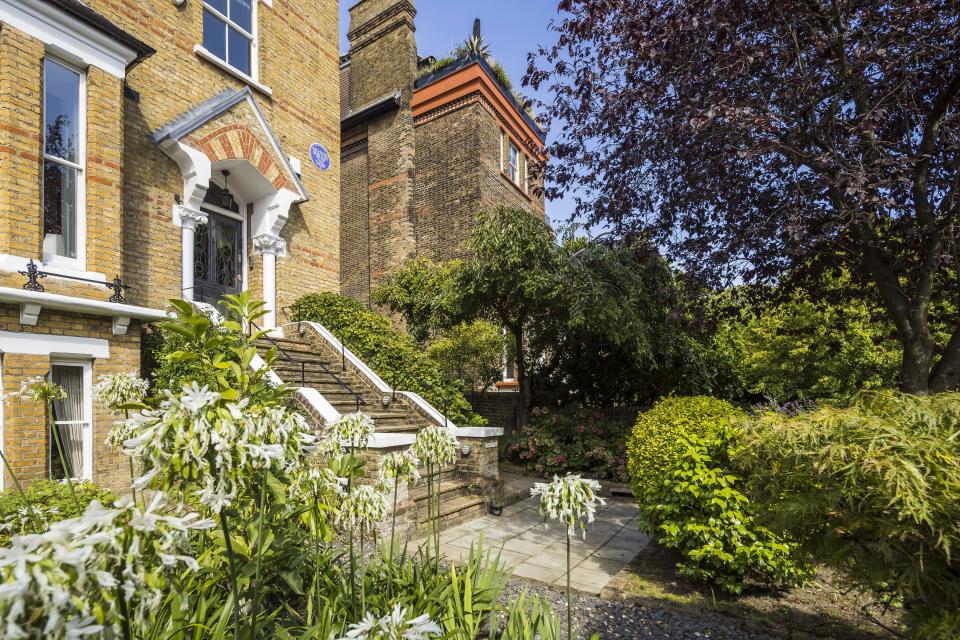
[(320, 157)]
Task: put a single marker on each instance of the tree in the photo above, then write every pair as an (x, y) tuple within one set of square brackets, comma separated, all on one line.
[(471, 352), (754, 140), (591, 322)]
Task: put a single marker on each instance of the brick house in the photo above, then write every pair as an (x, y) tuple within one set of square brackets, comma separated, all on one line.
[(167, 143), (422, 153)]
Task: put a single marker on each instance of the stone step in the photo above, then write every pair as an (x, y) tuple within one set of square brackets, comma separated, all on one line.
[(449, 490), (456, 511)]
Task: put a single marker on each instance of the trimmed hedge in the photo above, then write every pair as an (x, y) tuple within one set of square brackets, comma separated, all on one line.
[(393, 354), (658, 436)]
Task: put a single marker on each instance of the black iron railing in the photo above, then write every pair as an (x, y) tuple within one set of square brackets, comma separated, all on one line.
[(303, 365), (343, 346), (35, 275)]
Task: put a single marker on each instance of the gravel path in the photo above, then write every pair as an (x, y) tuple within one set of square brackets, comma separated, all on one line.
[(615, 620)]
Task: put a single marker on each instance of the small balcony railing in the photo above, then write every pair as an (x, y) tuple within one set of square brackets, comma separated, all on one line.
[(34, 275)]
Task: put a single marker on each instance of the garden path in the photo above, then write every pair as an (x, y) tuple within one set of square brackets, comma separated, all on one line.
[(538, 552)]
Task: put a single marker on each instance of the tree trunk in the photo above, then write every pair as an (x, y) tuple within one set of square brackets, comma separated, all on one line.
[(946, 375), (918, 350), (523, 377)]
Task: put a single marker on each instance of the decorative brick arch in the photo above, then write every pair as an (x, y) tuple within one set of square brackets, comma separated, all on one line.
[(240, 142)]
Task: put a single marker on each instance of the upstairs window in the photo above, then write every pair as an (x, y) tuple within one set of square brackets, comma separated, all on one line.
[(514, 168), (63, 163), (228, 32)]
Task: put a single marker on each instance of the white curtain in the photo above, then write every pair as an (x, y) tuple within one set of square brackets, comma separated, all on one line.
[(69, 419)]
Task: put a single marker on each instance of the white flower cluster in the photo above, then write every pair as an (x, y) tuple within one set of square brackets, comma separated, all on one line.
[(309, 482), (27, 519), (120, 432), (363, 506), (570, 500), (115, 391), (393, 626), (39, 390), (354, 429), (436, 445), (399, 466), (198, 438), (66, 583)]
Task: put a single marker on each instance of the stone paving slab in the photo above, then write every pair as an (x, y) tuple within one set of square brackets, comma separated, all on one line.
[(536, 552)]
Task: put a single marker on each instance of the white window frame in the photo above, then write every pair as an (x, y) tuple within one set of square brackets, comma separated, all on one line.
[(502, 164), (3, 427), (254, 74), (80, 262), (513, 169), (87, 366)]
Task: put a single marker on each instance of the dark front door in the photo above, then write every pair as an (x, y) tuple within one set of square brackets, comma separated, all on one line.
[(218, 258)]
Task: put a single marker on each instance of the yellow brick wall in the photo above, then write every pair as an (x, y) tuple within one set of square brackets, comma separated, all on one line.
[(25, 441)]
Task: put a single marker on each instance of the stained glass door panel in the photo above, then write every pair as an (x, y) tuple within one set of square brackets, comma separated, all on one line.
[(218, 258)]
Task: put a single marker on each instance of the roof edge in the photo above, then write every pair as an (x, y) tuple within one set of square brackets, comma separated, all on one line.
[(375, 108)]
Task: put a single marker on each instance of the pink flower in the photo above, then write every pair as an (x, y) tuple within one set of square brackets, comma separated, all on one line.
[(581, 428), (561, 459)]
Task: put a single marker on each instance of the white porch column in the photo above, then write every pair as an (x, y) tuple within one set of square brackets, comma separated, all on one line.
[(269, 246), (189, 219)]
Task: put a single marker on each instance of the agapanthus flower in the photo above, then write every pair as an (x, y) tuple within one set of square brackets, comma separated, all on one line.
[(569, 500), (28, 519), (120, 432), (65, 583), (363, 506), (40, 390), (400, 466), (354, 429), (436, 445), (116, 390), (198, 442), (393, 626), (328, 448), (309, 482)]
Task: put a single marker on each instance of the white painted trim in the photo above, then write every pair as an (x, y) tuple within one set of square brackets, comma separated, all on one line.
[(31, 302), (16, 264), (37, 344), (67, 35), (201, 51), (391, 440), (316, 400)]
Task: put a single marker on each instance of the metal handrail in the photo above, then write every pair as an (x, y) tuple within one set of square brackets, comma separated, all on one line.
[(303, 368), (343, 347), (34, 275)]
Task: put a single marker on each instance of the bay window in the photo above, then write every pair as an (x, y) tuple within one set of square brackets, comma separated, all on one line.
[(63, 163)]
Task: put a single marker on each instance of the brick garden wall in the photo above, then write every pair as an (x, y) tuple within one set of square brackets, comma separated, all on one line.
[(500, 410)]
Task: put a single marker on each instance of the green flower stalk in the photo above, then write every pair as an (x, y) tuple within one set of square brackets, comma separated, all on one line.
[(569, 500), (435, 446), (398, 467), (364, 507), (44, 392), (116, 392)]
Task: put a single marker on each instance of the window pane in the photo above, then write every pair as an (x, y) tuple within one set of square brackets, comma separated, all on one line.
[(61, 111), (59, 209), (219, 5), (69, 410), (241, 12), (239, 52), (214, 35)]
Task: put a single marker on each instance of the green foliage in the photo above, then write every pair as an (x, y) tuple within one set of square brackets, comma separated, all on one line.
[(53, 499), (471, 352), (425, 294), (562, 441), (393, 354), (439, 65), (806, 347), (697, 508), (474, 46), (872, 488), (657, 439)]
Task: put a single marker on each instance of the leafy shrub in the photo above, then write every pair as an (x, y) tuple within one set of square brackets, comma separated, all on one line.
[(52, 499), (471, 352), (393, 354), (874, 489), (656, 442), (573, 441), (698, 510)]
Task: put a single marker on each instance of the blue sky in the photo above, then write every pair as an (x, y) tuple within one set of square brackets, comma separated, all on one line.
[(513, 28)]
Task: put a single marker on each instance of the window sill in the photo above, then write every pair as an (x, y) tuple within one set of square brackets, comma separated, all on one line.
[(53, 267), (217, 62)]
